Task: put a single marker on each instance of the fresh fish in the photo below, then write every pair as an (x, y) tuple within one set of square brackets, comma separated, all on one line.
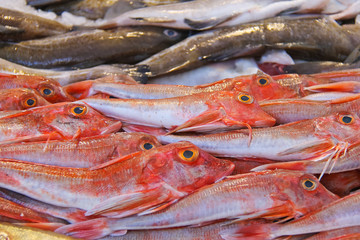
[(325, 96), (259, 85), (205, 14), (197, 112), (48, 88), (20, 26), (15, 211), (339, 214), (340, 163), (338, 234), (54, 122), (92, 47), (66, 77), (84, 153), (150, 179), (271, 195), (290, 110), (305, 139), (350, 12), (20, 99), (16, 232), (331, 41)]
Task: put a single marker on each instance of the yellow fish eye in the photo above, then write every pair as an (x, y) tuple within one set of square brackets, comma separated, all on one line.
[(30, 102), (309, 184), (189, 154), (78, 111), (147, 146), (262, 81), (346, 119), (245, 98)]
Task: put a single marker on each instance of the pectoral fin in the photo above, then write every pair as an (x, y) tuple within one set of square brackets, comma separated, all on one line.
[(205, 24), (310, 147)]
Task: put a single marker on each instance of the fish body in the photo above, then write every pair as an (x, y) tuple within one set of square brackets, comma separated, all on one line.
[(349, 233), (49, 89), (246, 196), (16, 232), (20, 99), (197, 112), (289, 142), (56, 121), (84, 153), (291, 34), (92, 47), (122, 187), (20, 26), (341, 213)]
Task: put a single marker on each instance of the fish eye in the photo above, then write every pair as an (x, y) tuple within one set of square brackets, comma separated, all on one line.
[(245, 98), (78, 110), (309, 184), (46, 91), (30, 102), (346, 119), (189, 155), (262, 81), (147, 146), (170, 33)]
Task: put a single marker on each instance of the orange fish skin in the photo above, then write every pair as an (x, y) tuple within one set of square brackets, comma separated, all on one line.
[(49, 89), (85, 152), (20, 99), (56, 121), (152, 174), (269, 194)]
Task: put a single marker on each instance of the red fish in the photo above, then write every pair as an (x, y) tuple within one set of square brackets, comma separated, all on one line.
[(125, 186), (56, 121), (49, 89), (20, 99)]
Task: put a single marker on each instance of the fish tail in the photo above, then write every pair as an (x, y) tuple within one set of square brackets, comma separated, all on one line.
[(252, 232), (92, 229)]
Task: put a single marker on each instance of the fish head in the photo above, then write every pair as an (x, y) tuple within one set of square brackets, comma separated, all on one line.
[(264, 87), (242, 107), (341, 127), (73, 120), (20, 99), (52, 91), (304, 191), (138, 142), (185, 167)]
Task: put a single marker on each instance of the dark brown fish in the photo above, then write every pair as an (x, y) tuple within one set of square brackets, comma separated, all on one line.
[(330, 41), (88, 48), (19, 26)]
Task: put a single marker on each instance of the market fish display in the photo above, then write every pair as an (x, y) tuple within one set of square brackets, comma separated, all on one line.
[(331, 41), (91, 47), (84, 153), (56, 121), (272, 195), (20, 99), (339, 214), (314, 138), (19, 26), (197, 112), (154, 181), (69, 76)]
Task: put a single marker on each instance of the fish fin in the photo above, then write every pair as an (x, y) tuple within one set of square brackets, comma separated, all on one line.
[(250, 232), (205, 24), (112, 128), (42, 137), (345, 99), (346, 86), (157, 208), (116, 160), (309, 147), (294, 165), (145, 129), (91, 229), (131, 203), (43, 226), (118, 233), (202, 119), (6, 29), (153, 19), (79, 90), (354, 56)]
